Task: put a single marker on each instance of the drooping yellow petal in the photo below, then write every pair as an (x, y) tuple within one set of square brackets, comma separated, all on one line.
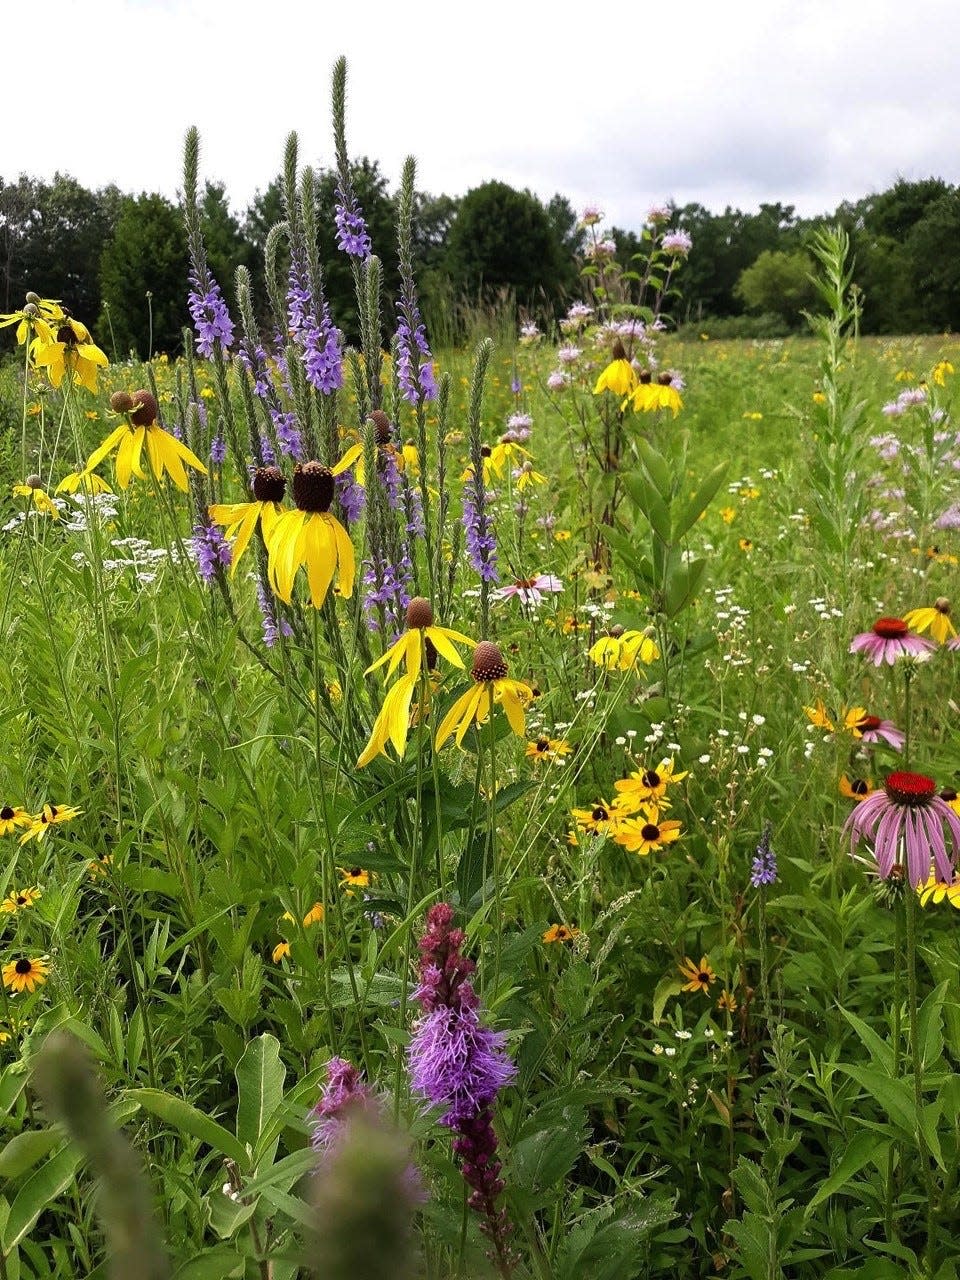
[(461, 713), (397, 706), (348, 459), (108, 445), (398, 648), (320, 554), (441, 638), (513, 706), (346, 560), (244, 534), (281, 564)]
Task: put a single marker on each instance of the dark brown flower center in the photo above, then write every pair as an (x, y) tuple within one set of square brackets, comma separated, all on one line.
[(704, 977), (21, 900), (890, 628), (650, 778), (650, 831), (948, 794), (146, 409), (381, 426), (488, 663), (313, 487), (269, 484), (6, 813), (66, 335), (866, 723), (49, 813), (645, 376), (543, 744), (942, 605), (599, 814), (619, 352), (23, 966), (665, 379), (419, 613), (910, 789), (485, 451), (859, 787)]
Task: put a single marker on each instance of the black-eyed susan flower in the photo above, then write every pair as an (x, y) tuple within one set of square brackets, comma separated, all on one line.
[(51, 815), (560, 933), (935, 619), (69, 350), (19, 899), (410, 647), (820, 716), (950, 798), (647, 833), (650, 785), (310, 537), (240, 519), (547, 749), (354, 877), (622, 650), (699, 976), (279, 951), (619, 376), (34, 490), (727, 1001), (138, 431), (25, 974), (602, 818), (856, 789), (490, 687), (392, 723), (12, 817), (314, 915), (99, 868), (934, 891)]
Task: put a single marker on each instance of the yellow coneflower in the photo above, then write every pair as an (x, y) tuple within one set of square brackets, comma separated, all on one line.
[(619, 376), (622, 650), (392, 723), (650, 396), (936, 620), (421, 632), (699, 976), (310, 537), (51, 815), (138, 431), (490, 687), (240, 519), (19, 899), (11, 817), (35, 491), (561, 933), (33, 320), (88, 481), (69, 350), (25, 974)]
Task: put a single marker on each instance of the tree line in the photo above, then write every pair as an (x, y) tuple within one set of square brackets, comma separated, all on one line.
[(120, 260)]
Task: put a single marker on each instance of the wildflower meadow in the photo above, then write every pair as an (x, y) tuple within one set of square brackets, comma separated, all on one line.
[(484, 811)]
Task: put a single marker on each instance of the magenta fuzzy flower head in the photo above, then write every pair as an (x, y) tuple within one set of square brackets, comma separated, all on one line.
[(889, 639), (343, 1094), (910, 827)]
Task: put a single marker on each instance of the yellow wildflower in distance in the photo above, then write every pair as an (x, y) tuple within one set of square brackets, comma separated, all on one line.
[(561, 933), (34, 490), (547, 749), (490, 686), (940, 371), (50, 815), (622, 651), (88, 481)]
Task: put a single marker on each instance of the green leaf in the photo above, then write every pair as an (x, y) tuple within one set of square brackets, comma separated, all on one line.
[(861, 1149), (894, 1096), (212, 1264), (187, 1119), (22, 1152), (542, 1159), (666, 989), (40, 1190), (688, 516), (877, 1047), (260, 1076)]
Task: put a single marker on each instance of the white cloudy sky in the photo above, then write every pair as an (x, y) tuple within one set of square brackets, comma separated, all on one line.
[(805, 101)]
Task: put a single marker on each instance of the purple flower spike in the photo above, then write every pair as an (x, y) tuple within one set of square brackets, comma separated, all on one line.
[(211, 551), (210, 316)]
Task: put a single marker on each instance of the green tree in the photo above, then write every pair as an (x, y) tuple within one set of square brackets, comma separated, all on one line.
[(503, 238), (932, 247), (147, 253), (779, 284)]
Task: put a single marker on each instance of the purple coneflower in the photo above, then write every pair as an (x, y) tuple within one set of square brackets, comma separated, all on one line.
[(908, 823), (530, 590), (873, 729), (889, 639)]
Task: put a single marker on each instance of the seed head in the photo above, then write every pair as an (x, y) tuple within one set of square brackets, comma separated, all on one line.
[(121, 402), (381, 426), (419, 613), (313, 487), (488, 663), (269, 484), (32, 298), (645, 376), (31, 310), (145, 409), (619, 351), (33, 482), (942, 605)]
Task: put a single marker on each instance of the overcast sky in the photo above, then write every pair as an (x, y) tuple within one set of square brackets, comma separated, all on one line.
[(614, 103)]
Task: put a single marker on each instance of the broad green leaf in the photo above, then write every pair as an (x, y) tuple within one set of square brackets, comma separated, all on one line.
[(22, 1152), (688, 516), (40, 1190), (894, 1096), (260, 1076), (181, 1115), (212, 1264), (878, 1048), (863, 1148)]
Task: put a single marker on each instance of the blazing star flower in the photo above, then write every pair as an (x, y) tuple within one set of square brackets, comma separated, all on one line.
[(936, 620), (909, 826), (210, 316), (421, 629), (51, 815), (490, 686), (699, 976), (619, 376), (210, 550), (889, 639), (646, 834), (343, 1094), (24, 974), (70, 350), (240, 519), (310, 536), (530, 590), (165, 452)]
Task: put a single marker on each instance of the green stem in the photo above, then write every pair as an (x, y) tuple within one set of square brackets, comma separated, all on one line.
[(913, 1007), (897, 1060)]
